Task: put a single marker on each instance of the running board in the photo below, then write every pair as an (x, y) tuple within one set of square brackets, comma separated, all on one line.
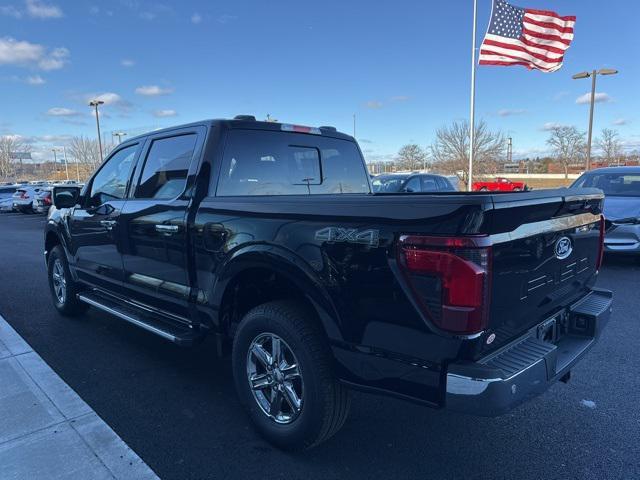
[(180, 335)]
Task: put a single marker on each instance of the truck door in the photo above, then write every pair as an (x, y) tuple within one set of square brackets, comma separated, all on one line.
[(94, 225), (153, 222)]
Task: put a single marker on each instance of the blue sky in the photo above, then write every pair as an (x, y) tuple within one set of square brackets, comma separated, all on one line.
[(402, 67)]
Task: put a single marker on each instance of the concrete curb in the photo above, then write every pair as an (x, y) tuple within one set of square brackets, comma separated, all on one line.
[(47, 430)]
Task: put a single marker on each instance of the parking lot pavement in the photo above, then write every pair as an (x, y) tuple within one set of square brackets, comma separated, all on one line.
[(46, 430), (177, 407)]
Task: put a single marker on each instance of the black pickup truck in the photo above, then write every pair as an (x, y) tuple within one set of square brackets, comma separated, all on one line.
[(268, 238)]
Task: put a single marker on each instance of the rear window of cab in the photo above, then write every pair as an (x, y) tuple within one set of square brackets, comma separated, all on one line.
[(261, 162)]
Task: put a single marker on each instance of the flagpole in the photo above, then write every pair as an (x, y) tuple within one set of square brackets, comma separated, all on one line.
[(473, 97)]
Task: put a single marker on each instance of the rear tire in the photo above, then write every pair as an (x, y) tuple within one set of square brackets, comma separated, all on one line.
[(323, 402), (63, 288)]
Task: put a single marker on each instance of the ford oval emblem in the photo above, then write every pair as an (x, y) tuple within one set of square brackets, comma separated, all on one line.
[(563, 248)]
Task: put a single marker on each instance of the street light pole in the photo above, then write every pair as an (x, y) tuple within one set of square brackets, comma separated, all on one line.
[(55, 161), (593, 101), (119, 135), (593, 74), (95, 104)]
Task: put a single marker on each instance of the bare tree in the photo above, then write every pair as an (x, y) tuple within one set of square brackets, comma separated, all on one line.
[(450, 149), (411, 157), (9, 146), (568, 145), (609, 143), (85, 151)]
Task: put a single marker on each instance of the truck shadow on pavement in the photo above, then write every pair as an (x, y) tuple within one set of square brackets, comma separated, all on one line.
[(178, 410)]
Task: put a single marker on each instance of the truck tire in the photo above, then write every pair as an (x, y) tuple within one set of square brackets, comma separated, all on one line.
[(63, 288), (282, 369)]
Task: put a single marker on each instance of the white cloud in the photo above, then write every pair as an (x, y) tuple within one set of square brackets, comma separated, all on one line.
[(127, 62), (374, 104), (109, 98), (364, 140), (56, 60), (505, 112), (35, 80), (599, 97), (10, 11), (26, 54), (62, 112), (621, 121), (153, 90), (164, 113), (400, 98), (226, 18), (196, 18), (38, 9), (551, 125)]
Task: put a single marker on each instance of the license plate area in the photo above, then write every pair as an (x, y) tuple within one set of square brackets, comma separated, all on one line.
[(548, 330)]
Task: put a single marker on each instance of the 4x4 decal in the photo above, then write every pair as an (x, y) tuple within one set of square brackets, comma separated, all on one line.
[(369, 237)]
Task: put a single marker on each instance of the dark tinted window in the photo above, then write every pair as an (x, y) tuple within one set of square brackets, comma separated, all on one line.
[(164, 175), (612, 184), (388, 184), (413, 185), (443, 184), (260, 162), (110, 183), (429, 183)]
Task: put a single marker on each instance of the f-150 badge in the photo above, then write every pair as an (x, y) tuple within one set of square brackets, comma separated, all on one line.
[(349, 235)]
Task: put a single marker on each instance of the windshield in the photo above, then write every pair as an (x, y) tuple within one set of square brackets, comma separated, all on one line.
[(612, 184), (387, 184)]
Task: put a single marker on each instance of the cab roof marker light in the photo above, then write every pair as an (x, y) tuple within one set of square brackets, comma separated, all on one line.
[(287, 127)]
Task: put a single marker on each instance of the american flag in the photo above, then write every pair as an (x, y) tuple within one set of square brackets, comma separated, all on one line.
[(523, 36)]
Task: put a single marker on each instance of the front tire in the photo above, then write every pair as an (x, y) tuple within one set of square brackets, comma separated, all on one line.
[(282, 368), (63, 288)]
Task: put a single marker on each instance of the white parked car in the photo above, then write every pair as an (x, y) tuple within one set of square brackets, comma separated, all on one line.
[(6, 205), (24, 197)]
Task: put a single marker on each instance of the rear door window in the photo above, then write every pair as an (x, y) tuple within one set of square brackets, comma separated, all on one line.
[(429, 184), (259, 162), (166, 168), (413, 185)]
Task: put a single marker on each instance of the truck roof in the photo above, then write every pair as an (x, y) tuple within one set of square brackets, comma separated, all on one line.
[(244, 123)]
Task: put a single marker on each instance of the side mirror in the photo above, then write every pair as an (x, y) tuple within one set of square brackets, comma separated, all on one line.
[(65, 197)]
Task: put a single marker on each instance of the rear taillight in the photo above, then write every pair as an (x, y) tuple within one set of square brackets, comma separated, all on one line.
[(47, 200), (601, 244), (450, 278)]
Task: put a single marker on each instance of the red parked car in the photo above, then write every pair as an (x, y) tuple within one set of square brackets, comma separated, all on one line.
[(500, 184)]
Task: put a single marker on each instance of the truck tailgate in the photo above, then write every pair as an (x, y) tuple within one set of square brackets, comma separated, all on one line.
[(546, 248)]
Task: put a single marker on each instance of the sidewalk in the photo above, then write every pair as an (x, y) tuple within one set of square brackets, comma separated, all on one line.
[(47, 430)]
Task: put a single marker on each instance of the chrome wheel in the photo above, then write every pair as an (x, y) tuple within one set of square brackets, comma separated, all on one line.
[(59, 281), (274, 378)]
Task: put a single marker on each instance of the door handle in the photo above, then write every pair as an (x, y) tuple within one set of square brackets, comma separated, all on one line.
[(167, 229), (108, 224)]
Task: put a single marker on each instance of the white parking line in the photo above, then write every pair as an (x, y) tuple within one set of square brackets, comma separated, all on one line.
[(47, 430)]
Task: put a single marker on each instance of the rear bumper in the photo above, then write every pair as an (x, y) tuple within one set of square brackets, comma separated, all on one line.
[(527, 367)]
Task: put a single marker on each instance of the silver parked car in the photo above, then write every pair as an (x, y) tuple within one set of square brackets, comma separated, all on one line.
[(621, 186)]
